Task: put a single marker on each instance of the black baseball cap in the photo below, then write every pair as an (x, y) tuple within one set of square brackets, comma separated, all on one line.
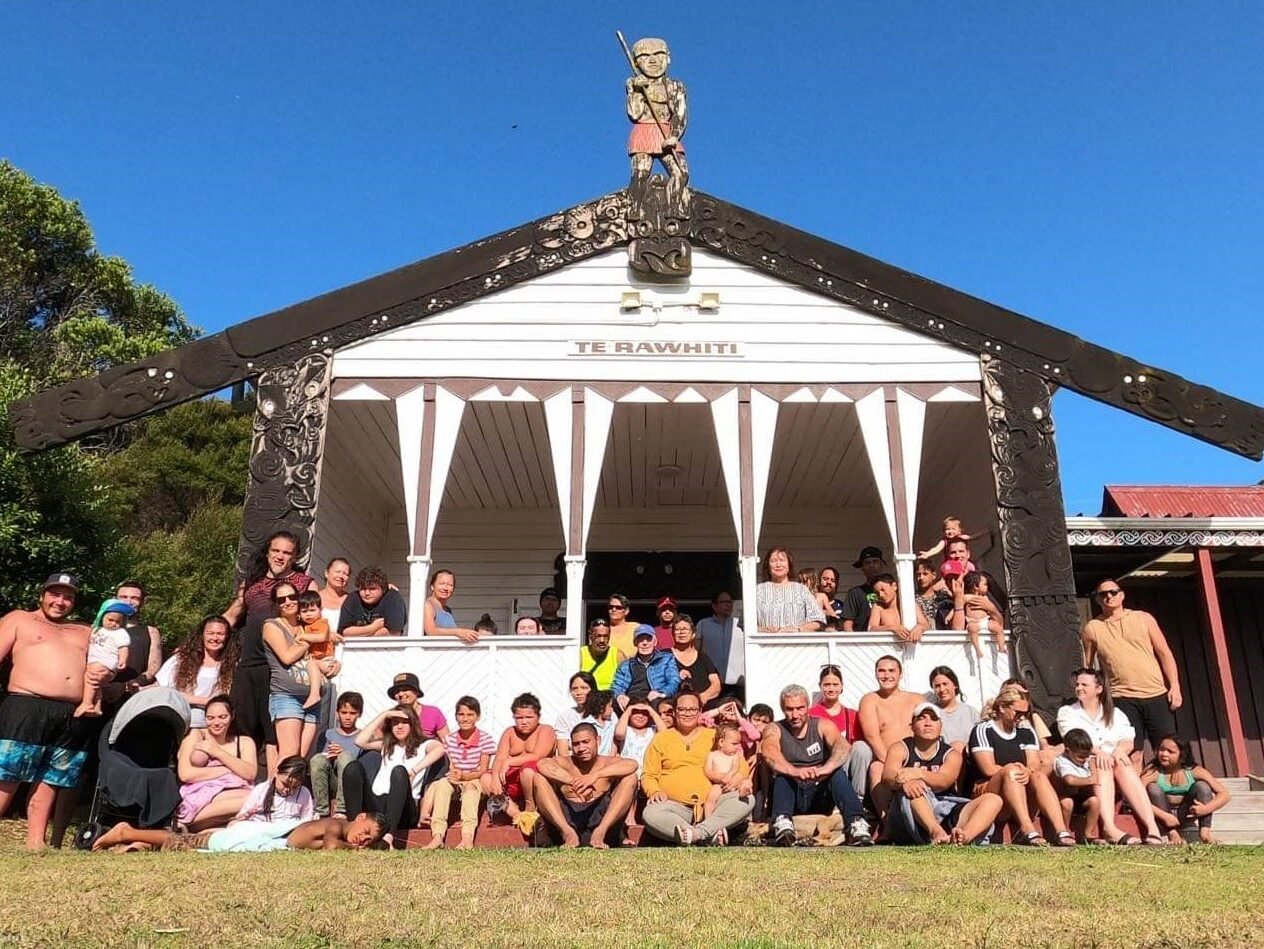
[(550, 591), (868, 552), (62, 580)]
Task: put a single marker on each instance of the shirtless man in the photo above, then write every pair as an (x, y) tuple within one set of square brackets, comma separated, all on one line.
[(884, 615), (326, 833), (885, 717), (41, 742), (583, 795), (512, 778)]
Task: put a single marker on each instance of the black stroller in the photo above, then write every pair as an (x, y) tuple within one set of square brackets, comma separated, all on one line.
[(136, 778)]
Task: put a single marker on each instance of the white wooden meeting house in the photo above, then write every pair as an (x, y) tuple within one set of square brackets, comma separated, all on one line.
[(639, 394)]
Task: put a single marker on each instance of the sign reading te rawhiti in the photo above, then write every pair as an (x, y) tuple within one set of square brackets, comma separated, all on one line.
[(611, 347)]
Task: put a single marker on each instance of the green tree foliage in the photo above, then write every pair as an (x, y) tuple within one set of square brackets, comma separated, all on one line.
[(53, 513), (183, 458), (177, 491), (188, 573), (66, 311)]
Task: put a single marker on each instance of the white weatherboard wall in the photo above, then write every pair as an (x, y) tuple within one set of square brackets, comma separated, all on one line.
[(765, 330)]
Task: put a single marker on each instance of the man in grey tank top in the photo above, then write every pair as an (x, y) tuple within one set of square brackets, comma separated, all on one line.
[(806, 756)]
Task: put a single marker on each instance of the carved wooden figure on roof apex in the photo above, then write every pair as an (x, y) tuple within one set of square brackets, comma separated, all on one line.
[(657, 105)]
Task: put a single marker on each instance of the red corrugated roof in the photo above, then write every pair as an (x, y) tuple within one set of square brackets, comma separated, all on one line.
[(1182, 500)]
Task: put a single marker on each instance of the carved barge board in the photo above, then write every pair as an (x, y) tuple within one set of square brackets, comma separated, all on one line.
[(382, 303), (977, 326), (331, 321)]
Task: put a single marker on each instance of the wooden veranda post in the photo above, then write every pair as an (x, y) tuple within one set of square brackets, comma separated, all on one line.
[(1224, 670)]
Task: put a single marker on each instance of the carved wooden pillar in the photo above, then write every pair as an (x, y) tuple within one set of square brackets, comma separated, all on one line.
[(1038, 574), (285, 454)]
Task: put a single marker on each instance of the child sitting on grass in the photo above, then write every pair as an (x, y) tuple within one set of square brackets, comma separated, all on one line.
[(107, 651), (726, 765), (320, 640), (633, 733), (1076, 774), (282, 798)]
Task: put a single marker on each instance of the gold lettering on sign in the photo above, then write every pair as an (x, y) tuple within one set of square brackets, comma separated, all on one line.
[(711, 349)]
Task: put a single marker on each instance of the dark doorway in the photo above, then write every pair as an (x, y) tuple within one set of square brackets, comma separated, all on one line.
[(690, 578)]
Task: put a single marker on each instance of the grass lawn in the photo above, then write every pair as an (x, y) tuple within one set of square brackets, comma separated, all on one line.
[(1003, 897)]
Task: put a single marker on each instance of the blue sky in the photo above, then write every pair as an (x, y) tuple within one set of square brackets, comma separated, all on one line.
[(1094, 166)]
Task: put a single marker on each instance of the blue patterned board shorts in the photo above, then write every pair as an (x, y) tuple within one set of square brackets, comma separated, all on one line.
[(41, 741)]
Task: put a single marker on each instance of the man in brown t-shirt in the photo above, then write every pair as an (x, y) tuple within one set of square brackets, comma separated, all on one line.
[(1138, 662)]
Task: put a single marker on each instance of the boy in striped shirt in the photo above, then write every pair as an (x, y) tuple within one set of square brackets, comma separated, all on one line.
[(470, 751)]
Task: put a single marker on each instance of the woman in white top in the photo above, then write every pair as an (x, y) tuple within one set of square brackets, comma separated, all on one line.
[(581, 685), (334, 590), (390, 781), (1112, 735), (781, 604), (202, 666), (957, 717)]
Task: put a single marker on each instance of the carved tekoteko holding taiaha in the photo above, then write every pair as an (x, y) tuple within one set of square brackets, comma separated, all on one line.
[(659, 214)]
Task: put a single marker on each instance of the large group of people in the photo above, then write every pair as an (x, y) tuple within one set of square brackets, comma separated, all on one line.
[(657, 737)]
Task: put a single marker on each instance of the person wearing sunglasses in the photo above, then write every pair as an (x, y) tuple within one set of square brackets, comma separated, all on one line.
[(288, 683), (1138, 663), (622, 628)]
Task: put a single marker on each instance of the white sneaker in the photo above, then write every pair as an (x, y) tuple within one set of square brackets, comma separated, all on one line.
[(783, 831), (858, 834)]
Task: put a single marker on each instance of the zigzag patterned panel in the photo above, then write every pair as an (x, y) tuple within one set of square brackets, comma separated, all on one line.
[(494, 671)]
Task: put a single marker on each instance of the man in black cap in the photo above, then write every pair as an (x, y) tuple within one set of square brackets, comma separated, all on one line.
[(859, 599), (550, 603), (41, 741)]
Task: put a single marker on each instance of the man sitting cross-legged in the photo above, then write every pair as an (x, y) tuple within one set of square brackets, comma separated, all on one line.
[(509, 784), (583, 795), (884, 715), (326, 833), (807, 757), (922, 772)]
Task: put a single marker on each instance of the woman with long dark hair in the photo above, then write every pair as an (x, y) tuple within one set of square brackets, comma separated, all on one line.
[(1112, 735), (391, 780), (957, 717), (282, 797), (273, 563), (580, 686), (202, 666), (217, 767), (292, 720)]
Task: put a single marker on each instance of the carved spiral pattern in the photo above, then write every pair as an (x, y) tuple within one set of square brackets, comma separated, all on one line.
[(285, 454)]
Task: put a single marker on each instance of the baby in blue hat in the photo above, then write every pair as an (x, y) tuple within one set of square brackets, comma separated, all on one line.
[(107, 650)]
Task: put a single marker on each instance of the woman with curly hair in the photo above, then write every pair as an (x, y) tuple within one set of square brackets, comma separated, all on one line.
[(202, 666)]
